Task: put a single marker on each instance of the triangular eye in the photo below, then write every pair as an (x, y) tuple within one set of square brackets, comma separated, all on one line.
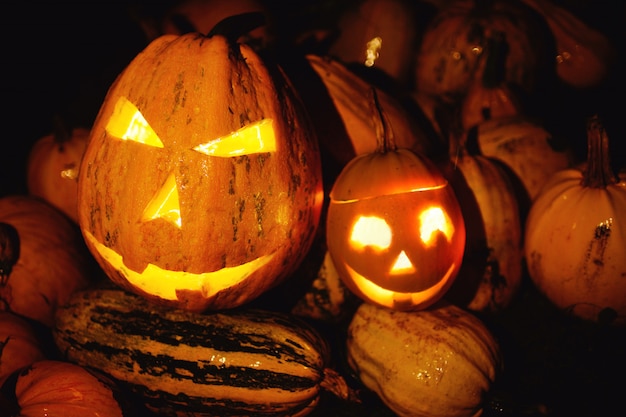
[(128, 123), (255, 138)]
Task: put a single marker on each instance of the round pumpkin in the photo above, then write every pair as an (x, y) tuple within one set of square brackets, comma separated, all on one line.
[(55, 388), (394, 228), (49, 260), (576, 235), (19, 344), (201, 185), (52, 169)]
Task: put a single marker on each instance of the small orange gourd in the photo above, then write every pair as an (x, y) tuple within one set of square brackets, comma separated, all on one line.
[(576, 237)]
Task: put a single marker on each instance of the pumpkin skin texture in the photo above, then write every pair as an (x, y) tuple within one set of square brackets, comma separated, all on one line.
[(19, 344), (581, 210), (438, 362), (52, 169), (185, 219), (56, 388), (53, 261)]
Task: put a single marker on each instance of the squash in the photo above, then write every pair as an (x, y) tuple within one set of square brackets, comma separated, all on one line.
[(584, 55), (394, 228), (438, 362), (491, 272), (575, 237), (49, 260), (527, 147), (52, 168), (19, 344), (55, 388), (237, 362), (332, 85), (489, 95), (457, 36), (201, 186)]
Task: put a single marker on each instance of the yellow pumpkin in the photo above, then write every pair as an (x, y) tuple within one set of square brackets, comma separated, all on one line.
[(576, 235), (201, 185)]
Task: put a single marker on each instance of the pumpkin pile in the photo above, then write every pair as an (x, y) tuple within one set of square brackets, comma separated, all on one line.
[(347, 217)]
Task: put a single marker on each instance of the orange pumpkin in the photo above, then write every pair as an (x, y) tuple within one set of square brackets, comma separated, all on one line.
[(56, 388), (43, 258), (575, 237), (52, 169), (19, 344), (201, 185), (394, 228)]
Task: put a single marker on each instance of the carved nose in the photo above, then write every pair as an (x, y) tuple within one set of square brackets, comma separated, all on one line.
[(164, 204)]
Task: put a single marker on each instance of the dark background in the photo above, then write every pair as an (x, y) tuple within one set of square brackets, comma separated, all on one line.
[(58, 59)]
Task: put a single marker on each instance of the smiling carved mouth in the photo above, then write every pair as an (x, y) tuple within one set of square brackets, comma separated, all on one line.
[(165, 283)]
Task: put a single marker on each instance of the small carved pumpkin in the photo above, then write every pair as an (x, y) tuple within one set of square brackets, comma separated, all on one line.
[(394, 229), (201, 185), (576, 237)]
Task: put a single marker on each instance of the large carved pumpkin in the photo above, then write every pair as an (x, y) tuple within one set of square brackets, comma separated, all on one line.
[(201, 185)]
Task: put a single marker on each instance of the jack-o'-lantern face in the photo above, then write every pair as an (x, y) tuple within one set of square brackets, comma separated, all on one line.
[(192, 189), (396, 245)]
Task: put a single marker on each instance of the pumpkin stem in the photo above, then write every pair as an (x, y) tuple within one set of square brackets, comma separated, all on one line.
[(234, 27), (598, 172), (9, 250), (384, 134)]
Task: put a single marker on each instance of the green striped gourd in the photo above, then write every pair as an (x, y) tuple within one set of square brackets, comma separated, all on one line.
[(181, 363)]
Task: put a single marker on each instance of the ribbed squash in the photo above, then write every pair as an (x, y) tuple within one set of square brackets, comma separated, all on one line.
[(524, 145), (350, 96), (181, 363), (438, 362), (201, 186), (491, 272)]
